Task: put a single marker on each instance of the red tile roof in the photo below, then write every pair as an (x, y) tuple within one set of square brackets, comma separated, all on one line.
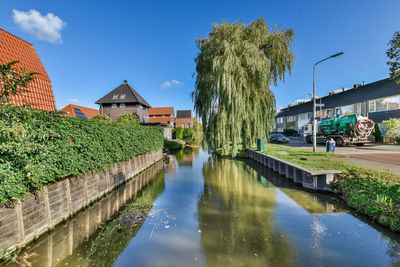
[(161, 111), (89, 112), (40, 92)]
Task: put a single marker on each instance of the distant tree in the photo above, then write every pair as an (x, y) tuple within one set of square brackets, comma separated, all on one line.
[(235, 67), (13, 81), (128, 118), (393, 54), (101, 118)]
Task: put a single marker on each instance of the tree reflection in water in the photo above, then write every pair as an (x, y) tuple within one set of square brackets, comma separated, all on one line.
[(236, 219)]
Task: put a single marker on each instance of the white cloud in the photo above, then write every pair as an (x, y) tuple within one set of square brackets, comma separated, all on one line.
[(171, 84), (73, 100), (47, 28)]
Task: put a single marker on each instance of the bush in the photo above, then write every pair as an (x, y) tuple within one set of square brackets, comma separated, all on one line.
[(173, 145), (128, 118), (38, 147), (377, 133), (179, 133), (188, 135), (101, 118), (290, 132)]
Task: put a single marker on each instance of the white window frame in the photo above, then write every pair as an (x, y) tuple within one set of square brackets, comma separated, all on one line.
[(115, 96), (369, 105), (122, 96), (113, 105), (122, 105)]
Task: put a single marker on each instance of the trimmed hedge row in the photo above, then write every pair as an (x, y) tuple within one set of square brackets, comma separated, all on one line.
[(38, 147)]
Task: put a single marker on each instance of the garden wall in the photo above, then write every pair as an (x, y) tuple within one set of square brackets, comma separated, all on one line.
[(38, 213)]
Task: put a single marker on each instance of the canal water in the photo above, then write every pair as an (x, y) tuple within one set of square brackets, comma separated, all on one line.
[(206, 211)]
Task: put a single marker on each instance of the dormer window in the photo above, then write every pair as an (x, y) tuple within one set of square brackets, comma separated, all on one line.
[(115, 96), (122, 96), (114, 105), (121, 105)]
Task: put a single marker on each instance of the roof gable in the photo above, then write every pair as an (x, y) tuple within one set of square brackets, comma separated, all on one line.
[(161, 111), (123, 94)]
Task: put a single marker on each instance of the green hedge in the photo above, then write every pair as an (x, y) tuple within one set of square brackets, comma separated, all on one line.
[(38, 147)]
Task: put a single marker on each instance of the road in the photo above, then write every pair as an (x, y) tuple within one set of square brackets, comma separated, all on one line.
[(377, 156)]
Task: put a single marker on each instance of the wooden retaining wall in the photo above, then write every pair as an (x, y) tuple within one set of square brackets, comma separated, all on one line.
[(317, 180), (36, 214)]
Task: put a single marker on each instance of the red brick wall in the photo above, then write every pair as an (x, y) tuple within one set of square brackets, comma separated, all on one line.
[(184, 121)]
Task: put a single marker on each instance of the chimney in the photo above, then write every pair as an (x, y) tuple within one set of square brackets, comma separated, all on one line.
[(356, 85), (363, 82), (125, 81), (343, 89)]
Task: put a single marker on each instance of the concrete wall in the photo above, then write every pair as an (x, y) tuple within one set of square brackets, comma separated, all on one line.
[(114, 113), (38, 213)]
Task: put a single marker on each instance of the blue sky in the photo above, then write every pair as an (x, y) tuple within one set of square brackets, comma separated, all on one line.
[(151, 43)]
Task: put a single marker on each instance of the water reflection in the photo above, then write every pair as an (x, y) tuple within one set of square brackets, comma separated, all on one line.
[(236, 218)]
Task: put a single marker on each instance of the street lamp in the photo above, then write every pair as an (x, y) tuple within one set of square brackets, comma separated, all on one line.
[(314, 102)]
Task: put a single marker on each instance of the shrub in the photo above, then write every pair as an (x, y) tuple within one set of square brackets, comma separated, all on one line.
[(128, 118), (173, 145), (38, 147), (188, 135), (377, 133), (101, 118), (393, 126), (179, 133)]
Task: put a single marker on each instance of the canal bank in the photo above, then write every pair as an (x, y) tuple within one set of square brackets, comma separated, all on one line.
[(209, 211), (39, 212)]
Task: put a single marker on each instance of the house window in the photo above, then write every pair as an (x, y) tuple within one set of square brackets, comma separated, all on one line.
[(121, 105), (387, 103), (122, 96), (358, 108), (115, 97), (114, 105), (372, 106), (188, 125), (183, 125), (338, 111)]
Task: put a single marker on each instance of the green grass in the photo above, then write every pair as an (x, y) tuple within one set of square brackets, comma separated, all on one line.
[(372, 192), (306, 158)]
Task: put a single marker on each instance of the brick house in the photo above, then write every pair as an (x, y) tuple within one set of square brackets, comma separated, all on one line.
[(40, 92), (184, 119), (162, 115), (124, 100), (80, 112)]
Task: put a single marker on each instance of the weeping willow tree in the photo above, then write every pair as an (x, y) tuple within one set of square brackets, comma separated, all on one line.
[(235, 67)]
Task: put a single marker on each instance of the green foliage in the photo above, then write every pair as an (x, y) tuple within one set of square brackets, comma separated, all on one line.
[(188, 135), (38, 147), (178, 133), (101, 118), (13, 81), (235, 67), (377, 133), (290, 132), (172, 144), (393, 126), (393, 53), (128, 118)]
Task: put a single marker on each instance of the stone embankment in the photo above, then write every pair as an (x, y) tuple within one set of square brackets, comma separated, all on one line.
[(38, 213)]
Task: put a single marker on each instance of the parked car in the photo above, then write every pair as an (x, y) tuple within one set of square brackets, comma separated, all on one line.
[(278, 138)]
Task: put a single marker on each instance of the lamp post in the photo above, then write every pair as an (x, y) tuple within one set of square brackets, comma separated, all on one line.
[(314, 102)]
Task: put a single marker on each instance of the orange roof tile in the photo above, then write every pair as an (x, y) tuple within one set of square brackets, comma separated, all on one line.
[(40, 92), (89, 112), (161, 111)]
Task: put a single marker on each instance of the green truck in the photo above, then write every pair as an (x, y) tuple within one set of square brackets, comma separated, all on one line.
[(345, 130)]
